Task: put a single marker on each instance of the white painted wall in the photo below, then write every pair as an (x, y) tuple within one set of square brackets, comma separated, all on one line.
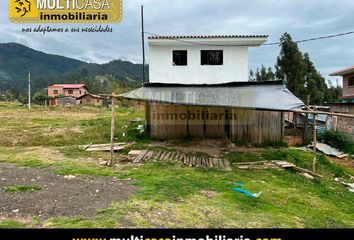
[(234, 68)]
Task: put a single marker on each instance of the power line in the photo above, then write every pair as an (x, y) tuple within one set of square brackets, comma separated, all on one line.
[(314, 39), (265, 44)]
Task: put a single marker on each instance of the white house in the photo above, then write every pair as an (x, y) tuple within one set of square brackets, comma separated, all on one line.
[(200, 59)]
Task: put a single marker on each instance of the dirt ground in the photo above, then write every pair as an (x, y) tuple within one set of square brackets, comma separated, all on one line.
[(212, 147), (60, 195)]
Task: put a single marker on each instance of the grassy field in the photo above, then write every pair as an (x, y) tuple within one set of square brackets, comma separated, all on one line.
[(169, 194)]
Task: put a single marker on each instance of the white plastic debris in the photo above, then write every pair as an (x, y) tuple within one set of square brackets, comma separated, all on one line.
[(349, 185)]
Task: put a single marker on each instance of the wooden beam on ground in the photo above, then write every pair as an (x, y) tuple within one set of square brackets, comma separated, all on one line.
[(307, 171), (324, 113)]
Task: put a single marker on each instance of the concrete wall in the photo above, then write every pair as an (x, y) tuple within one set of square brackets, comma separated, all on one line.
[(234, 68), (51, 91), (344, 124), (347, 90)]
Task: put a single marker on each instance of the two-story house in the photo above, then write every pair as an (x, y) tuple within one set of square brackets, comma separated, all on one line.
[(67, 90), (346, 101), (198, 86), (348, 83), (72, 94)]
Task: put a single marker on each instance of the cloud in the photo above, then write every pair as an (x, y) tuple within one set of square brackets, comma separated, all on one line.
[(302, 19)]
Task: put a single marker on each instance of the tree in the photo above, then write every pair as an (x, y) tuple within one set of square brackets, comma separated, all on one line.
[(262, 75), (40, 97), (290, 66)]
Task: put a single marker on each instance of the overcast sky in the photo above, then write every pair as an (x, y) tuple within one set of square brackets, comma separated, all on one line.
[(301, 18)]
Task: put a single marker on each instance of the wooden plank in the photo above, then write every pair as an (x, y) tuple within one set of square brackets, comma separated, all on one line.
[(89, 145), (115, 148), (308, 171), (163, 154), (250, 163), (134, 152), (167, 156), (140, 156), (148, 155)]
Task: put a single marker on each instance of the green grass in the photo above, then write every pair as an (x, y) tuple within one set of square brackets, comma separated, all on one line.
[(172, 195), (11, 224), (22, 188)]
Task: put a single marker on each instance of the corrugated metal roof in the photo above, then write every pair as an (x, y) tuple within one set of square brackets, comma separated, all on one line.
[(92, 95), (228, 84), (271, 96), (207, 36)]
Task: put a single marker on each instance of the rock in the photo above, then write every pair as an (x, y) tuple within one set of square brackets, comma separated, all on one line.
[(69, 176), (16, 210), (208, 194), (103, 163)]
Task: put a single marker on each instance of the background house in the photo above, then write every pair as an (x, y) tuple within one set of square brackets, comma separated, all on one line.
[(90, 99), (348, 83), (65, 94), (199, 87), (346, 103), (72, 90)]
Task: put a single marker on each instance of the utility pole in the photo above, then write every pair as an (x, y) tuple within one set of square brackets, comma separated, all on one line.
[(314, 144), (143, 40), (29, 90), (111, 162)]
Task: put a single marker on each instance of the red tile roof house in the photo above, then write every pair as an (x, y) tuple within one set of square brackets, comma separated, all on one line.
[(66, 94)]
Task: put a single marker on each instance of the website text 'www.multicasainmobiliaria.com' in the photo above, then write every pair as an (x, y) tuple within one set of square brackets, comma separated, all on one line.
[(207, 237)]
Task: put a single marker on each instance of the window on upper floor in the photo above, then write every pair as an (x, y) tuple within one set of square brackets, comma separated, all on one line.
[(211, 57), (70, 91), (56, 92), (179, 58), (351, 82)]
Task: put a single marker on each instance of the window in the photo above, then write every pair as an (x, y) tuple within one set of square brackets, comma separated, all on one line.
[(56, 92), (70, 91), (179, 58), (351, 82), (98, 101), (211, 57), (80, 92)]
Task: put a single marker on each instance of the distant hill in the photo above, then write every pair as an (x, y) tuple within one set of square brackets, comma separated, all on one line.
[(46, 69)]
